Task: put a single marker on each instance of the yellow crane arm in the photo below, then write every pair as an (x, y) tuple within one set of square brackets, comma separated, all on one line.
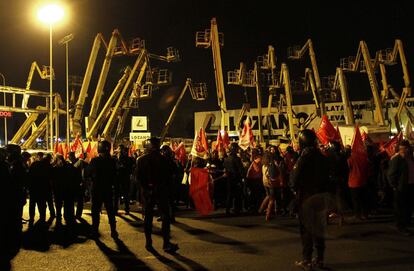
[(92, 132), (77, 116), (172, 114), (340, 82), (141, 63)]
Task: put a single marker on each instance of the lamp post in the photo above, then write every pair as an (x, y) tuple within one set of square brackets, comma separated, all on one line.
[(50, 14), (4, 103), (65, 41)]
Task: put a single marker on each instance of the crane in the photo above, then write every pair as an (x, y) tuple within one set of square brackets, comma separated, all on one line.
[(198, 93), (341, 84), (111, 50), (295, 53), (389, 57), (366, 64), (250, 78), (211, 38)]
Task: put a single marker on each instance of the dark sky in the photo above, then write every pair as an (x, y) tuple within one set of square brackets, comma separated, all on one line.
[(334, 26)]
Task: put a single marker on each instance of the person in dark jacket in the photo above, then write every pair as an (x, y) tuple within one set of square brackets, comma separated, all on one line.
[(39, 188), (153, 173), (401, 178), (309, 179), (234, 171), (124, 171), (103, 173), (13, 198)]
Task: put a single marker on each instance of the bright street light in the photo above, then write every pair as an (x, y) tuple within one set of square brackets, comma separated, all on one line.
[(50, 14)]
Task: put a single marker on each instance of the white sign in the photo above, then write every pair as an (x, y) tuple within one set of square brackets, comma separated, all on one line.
[(279, 124), (139, 137), (139, 123)]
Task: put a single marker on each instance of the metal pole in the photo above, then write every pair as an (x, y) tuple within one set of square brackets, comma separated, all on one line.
[(51, 86), (65, 40), (4, 103), (67, 95)]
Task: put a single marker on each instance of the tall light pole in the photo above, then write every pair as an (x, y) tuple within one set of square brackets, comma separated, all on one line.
[(50, 14), (4, 103), (65, 40)]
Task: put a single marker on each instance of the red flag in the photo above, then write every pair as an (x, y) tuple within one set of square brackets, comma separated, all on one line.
[(77, 147), (358, 162), (181, 154), (199, 190), (389, 146), (246, 139), (226, 139), (327, 131), (219, 147), (200, 147)]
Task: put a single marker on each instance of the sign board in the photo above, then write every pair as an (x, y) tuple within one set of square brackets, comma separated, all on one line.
[(6, 114), (305, 113), (139, 123), (138, 138)]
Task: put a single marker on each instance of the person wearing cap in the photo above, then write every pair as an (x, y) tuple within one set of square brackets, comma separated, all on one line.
[(153, 173)]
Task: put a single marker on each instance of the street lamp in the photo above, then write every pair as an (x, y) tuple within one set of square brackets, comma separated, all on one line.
[(4, 103), (50, 14), (65, 40)]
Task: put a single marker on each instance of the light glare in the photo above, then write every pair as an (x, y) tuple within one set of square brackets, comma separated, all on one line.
[(50, 13)]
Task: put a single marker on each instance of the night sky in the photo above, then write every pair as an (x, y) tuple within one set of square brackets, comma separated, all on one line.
[(334, 26)]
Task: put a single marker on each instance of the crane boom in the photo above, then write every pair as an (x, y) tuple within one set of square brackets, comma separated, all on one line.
[(141, 62), (319, 101), (340, 82), (106, 109), (211, 38), (172, 114), (102, 77), (77, 116)]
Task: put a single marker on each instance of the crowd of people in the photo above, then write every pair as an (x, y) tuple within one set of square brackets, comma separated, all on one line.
[(268, 182)]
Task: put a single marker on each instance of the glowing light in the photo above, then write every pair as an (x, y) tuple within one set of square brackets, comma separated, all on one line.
[(50, 13)]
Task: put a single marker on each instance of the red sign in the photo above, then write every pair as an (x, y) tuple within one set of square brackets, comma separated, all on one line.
[(6, 114)]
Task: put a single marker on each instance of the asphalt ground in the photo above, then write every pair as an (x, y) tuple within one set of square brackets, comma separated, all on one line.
[(215, 242)]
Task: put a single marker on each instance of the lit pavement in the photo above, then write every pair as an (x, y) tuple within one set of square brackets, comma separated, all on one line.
[(215, 243)]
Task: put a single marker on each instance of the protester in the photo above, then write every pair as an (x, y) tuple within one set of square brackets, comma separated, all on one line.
[(102, 171), (401, 178), (310, 179), (235, 173), (153, 174)]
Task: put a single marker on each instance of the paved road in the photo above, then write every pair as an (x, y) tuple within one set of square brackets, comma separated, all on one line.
[(215, 243)]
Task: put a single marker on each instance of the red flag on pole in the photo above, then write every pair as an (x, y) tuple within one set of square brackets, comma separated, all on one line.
[(358, 162), (219, 147), (181, 154), (246, 138), (200, 147), (77, 147), (389, 146), (199, 190), (327, 132), (226, 139)]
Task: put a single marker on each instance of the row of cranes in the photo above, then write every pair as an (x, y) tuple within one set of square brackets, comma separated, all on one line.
[(138, 81)]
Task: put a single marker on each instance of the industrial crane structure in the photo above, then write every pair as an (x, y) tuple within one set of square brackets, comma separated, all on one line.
[(312, 75), (389, 57), (250, 78), (198, 93), (362, 62), (212, 38)]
